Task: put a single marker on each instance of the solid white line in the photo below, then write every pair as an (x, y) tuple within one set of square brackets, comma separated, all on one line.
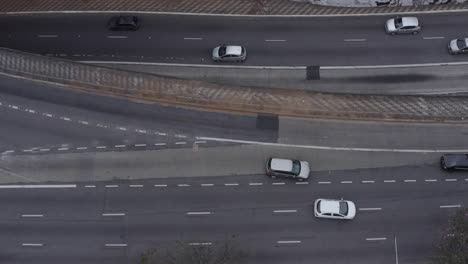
[(302, 182), (324, 182), (183, 185), (409, 180), (430, 180), (47, 36), (160, 185), (450, 206), (433, 37), (288, 242), (160, 144), (376, 238), (135, 186), (200, 244), (367, 181), (255, 183), (278, 183), (32, 245), (331, 148), (354, 40), (140, 145), (451, 180), (231, 184), (207, 184), (285, 211), (90, 186), (27, 186), (112, 186), (370, 209), (387, 181), (193, 39), (113, 214), (32, 215), (275, 40), (396, 251), (117, 37), (346, 181), (115, 245), (199, 213)]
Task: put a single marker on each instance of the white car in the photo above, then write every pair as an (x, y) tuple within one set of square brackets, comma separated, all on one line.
[(287, 168), (334, 209), (458, 46), (229, 53), (402, 25)]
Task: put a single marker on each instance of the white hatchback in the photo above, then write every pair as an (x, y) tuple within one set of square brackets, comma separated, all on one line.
[(229, 53), (334, 209)]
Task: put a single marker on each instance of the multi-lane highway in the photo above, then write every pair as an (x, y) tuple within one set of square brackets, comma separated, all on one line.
[(270, 41)]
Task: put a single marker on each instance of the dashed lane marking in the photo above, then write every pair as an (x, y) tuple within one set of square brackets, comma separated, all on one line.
[(47, 36), (278, 183), (160, 185), (289, 242), (112, 186), (32, 215), (101, 147), (180, 143), (200, 142), (430, 180), (183, 185), (8, 151), (207, 184), (367, 181), (44, 149), (255, 183), (450, 180), (433, 37), (198, 213), (354, 40), (115, 245), (32, 244), (120, 146), (302, 182), (136, 186), (370, 209), (284, 211), (450, 206), (346, 181), (389, 181), (160, 144), (90, 186), (376, 238), (200, 244), (193, 38), (409, 180), (324, 182), (231, 184), (62, 149), (117, 37), (275, 40), (140, 145), (81, 148)]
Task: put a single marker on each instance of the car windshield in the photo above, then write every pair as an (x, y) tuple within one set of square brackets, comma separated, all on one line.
[(296, 169), (344, 208), (318, 206), (461, 43), (398, 22), (222, 51)]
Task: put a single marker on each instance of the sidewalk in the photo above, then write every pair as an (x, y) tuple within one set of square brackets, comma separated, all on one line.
[(241, 7)]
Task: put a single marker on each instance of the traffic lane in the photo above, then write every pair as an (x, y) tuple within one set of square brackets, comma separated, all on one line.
[(371, 134)]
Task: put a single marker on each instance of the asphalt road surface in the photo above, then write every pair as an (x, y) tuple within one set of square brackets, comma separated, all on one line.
[(269, 41)]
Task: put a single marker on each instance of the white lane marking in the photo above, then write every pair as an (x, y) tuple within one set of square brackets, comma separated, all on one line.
[(115, 245), (231, 184), (112, 186), (207, 184), (44, 149), (376, 238), (8, 151), (180, 136), (62, 149), (14, 107), (160, 134), (117, 37), (198, 213), (180, 143), (370, 209), (302, 182), (48, 115), (200, 142), (183, 185), (409, 180), (433, 37), (255, 183), (354, 40), (367, 181), (332, 148), (122, 128), (466, 179), (119, 146), (135, 186), (278, 183), (451, 180), (32, 244), (160, 144), (32, 215), (141, 131), (47, 36), (275, 40), (140, 145), (101, 147), (288, 242), (31, 111), (83, 122), (65, 118), (27, 150), (200, 244), (113, 214), (430, 180), (346, 181), (81, 148), (324, 182), (193, 38), (450, 206), (90, 186), (160, 185), (388, 181), (43, 186), (284, 211), (396, 251)]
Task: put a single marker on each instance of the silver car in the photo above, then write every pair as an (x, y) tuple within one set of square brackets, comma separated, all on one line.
[(403, 25), (229, 53), (334, 209), (458, 46), (287, 168)]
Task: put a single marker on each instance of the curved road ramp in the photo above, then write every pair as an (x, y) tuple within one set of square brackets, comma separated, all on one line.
[(214, 97)]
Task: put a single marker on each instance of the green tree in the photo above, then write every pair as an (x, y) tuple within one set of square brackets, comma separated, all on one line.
[(453, 246)]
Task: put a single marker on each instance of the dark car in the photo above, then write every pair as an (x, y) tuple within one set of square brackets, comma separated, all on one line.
[(452, 162), (124, 23)]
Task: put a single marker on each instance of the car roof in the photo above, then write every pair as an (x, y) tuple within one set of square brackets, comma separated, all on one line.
[(410, 21), (233, 50), (456, 159), (330, 206), (281, 164)]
